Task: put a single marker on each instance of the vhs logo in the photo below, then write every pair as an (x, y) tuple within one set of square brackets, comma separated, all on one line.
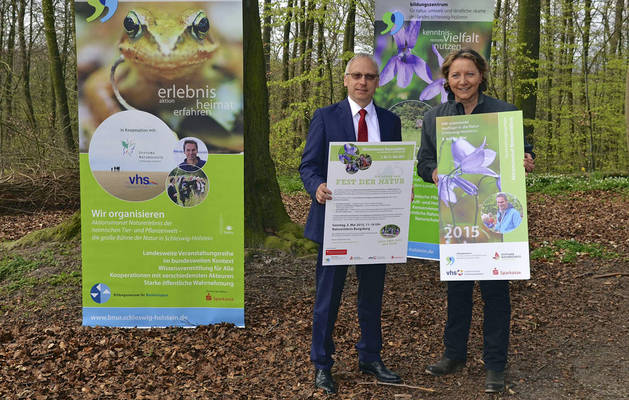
[(141, 180), (99, 7)]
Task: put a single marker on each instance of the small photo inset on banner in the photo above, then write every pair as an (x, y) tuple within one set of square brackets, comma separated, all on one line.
[(187, 188), (502, 213), (190, 154), (129, 155)]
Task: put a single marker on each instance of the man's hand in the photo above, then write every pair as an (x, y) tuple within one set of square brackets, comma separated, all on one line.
[(435, 177), (529, 163), (323, 193)]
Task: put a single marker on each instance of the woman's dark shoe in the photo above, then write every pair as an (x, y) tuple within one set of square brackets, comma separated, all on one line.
[(445, 366), (323, 380), (494, 381)]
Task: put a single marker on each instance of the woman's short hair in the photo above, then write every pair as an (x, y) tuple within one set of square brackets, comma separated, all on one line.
[(471, 55)]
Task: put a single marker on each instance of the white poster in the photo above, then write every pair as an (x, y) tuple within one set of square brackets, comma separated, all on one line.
[(367, 220)]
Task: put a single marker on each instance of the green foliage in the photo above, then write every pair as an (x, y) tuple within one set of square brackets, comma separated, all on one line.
[(290, 183), (34, 143), (65, 278), (16, 271), (68, 230), (569, 250), (554, 184), (291, 239), (579, 121), (15, 267)]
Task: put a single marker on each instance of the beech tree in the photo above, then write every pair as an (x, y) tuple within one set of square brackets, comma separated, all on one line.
[(528, 48), (264, 210), (56, 73)]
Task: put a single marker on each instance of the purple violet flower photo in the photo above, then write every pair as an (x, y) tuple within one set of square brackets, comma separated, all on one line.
[(381, 43), (404, 64), (348, 152), (434, 87), (350, 149)]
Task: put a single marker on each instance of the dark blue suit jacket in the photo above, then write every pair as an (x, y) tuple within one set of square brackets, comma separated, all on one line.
[(333, 124)]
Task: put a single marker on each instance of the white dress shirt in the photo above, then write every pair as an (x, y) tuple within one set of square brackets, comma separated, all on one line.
[(373, 129)]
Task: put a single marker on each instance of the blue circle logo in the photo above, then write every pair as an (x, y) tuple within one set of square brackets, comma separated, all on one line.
[(100, 293)]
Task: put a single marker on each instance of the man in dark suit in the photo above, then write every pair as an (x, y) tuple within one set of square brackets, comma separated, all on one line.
[(353, 119)]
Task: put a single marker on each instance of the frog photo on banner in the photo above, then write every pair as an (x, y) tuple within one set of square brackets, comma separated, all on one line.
[(180, 61)]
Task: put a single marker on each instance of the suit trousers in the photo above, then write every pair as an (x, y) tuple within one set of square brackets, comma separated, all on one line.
[(330, 281), (496, 321)]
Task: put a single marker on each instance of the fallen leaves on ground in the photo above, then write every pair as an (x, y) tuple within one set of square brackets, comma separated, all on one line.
[(569, 335)]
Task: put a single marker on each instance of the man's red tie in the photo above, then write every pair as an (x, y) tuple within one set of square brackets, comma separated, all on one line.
[(362, 127)]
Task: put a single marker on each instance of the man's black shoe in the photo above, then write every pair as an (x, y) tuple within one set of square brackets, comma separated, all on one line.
[(323, 380), (495, 381), (377, 369), (445, 366)]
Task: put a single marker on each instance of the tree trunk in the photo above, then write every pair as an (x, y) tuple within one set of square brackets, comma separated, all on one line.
[(306, 65), (6, 94), (587, 24), (266, 36), (528, 46), (63, 54), (348, 38), (57, 75), (3, 7), (320, 53), (7, 85), (494, 51), (3, 11), (567, 73), (26, 66), (627, 105), (303, 36), (505, 55), (264, 210), (616, 38), (297, 16), (550, 70), (286, 54)]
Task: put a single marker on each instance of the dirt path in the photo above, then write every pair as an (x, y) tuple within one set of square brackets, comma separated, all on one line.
[(569, 336)]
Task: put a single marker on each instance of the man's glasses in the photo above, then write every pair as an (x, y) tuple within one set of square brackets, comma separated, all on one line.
[(358, 76)]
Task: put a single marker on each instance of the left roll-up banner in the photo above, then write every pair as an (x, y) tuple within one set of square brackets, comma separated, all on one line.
[(161, 162)]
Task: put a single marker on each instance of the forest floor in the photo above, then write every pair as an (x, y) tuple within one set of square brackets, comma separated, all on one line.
[(569, 333)]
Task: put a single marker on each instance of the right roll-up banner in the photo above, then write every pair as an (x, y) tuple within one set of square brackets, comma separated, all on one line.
[(411, 40)]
